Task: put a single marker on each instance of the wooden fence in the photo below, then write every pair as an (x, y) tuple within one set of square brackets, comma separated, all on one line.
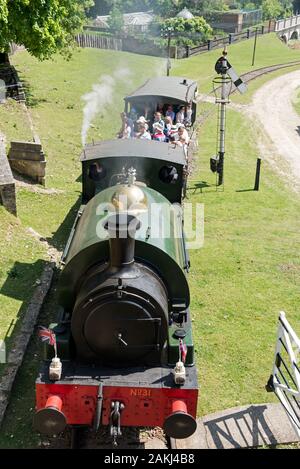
[(132, 44), (230, 39), (98, 42)]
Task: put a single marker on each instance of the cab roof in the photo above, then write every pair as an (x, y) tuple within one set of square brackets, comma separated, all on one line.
[(134, 148), (172, 88)]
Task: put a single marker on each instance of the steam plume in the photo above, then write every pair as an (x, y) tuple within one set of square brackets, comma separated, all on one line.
[(99, 98)]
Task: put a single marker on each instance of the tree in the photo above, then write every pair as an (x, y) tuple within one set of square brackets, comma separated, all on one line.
[(42, 26), (271, 9), (116, 20), (187, 31)]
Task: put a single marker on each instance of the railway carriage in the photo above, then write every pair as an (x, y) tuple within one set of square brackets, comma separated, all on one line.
[(125, 353)]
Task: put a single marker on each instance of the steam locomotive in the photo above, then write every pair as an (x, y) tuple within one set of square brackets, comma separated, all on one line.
[(125, 353)]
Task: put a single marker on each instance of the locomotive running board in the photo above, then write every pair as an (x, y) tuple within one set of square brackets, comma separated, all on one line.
[(285, 378)]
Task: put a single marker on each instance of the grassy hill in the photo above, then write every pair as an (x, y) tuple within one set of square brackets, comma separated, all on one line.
[(249, 266)]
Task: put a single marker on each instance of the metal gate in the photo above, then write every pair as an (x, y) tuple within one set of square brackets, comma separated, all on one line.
[(285, 378)]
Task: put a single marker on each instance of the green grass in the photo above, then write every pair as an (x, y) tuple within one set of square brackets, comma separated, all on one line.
[(247, 270), (21, 261), (270, 51)]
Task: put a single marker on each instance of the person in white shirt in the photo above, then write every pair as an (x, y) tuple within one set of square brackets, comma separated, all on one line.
[(189, 114), (180, 116), (183, 137), (143, 133)]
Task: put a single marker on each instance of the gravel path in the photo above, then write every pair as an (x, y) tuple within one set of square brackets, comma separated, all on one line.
[(272, 108)]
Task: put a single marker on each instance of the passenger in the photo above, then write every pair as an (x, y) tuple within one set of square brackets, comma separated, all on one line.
[(126, 130), (141, 120), (168, 127), (158, 132), (158, 120), (133, 114), (173, 133), (143, 133), (183, 137), (180, 116), (189, 114), (127, 133), (170, 112), (160, 108)]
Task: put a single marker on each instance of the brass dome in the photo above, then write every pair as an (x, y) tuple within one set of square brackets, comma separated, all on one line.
[(130, 199)]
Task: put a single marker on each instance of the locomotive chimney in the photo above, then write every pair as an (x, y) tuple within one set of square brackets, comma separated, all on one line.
[(122, 229)]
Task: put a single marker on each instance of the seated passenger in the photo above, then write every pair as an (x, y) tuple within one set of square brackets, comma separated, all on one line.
[(160, 108), (173, 133), (127, 133), (180, 116), (133, 114), (158, 120), (143, 133), (168, 127), (126, 127), (183, 137), (189, 114), (158, 132), (170, 112)]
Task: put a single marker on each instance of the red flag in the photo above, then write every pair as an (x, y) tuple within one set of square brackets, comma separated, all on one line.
[(47, 335), (183, 350)]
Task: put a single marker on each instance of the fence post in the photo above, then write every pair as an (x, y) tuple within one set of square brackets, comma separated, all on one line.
[(248, 33), (209, 44), (187, 51), (229, 38), (257, 175), (263, 29)]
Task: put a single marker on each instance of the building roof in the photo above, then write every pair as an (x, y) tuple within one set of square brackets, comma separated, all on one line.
[(167, 87), (140, 18), (186, 14), (134, 148)]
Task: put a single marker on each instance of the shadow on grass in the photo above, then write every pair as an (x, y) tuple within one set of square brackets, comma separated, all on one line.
[(22, 278), (19, 284), (246, 190), (199, 186), (60, 237), (31, 100)]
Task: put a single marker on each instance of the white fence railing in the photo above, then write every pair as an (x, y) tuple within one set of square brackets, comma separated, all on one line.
[(285, 378), (287, 23)]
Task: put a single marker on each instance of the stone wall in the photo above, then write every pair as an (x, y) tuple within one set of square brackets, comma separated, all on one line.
[(28, 159), (7, 183)]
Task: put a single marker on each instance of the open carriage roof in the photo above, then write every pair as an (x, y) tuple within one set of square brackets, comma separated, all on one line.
[(172, 88), (134, 148)]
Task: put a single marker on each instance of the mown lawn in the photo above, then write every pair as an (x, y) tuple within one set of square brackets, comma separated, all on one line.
[(248, 269)]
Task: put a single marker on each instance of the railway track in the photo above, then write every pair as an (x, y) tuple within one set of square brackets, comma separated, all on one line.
[(246, 77), (132, 438)]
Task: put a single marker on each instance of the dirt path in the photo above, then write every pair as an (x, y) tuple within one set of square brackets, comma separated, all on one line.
[(272, 109)]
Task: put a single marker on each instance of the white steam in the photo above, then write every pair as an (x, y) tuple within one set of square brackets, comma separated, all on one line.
[(100, 97)]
